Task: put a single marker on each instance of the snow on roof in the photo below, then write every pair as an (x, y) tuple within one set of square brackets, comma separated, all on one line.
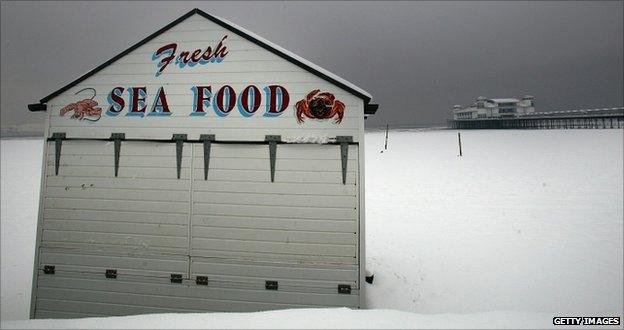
[(510, 100), (297, 57)]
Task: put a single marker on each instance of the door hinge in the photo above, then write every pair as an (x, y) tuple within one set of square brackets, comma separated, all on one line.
[(206, 140), (176, 278), (117, 137), (58, 142), (201, 280), (111, 273), (270, 285), (48, 269), (273, 140), (179, 140), (344, 288), (344, 154)]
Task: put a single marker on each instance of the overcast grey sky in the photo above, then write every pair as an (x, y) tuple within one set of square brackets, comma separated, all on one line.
[(417, 59)]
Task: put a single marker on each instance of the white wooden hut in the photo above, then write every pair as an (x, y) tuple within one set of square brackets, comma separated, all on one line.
[(202, 169)]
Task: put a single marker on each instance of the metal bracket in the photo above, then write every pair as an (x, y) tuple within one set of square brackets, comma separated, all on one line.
[(48, 269), (179, 140), (206, 140), (176, 278), (58, 140), (344, 154), (273, 139), (117, 137), (270, 285), (344, 288), (111, 273), (201, 280)]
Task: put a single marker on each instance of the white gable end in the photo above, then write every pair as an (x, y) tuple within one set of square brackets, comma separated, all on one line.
[(245, 64)]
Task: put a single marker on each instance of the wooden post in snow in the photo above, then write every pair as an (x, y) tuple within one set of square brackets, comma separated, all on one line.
[(459, 140), (386, 145)]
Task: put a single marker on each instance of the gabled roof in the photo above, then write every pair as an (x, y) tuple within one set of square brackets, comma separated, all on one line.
[(273, 48)]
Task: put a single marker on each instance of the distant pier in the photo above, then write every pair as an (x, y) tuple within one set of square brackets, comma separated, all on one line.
[(569, 119)]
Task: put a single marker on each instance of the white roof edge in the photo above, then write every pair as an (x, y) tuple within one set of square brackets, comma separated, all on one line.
[(297, 57), (505, 100)]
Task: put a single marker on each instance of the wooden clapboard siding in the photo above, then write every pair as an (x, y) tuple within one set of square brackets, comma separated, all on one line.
[(275, 199), (184, 297), (292, 249), (208, 122), (286, 151), (117, 216), (268, 270), (293, 259), (131, 294), (195, 78), (87, 208), (311, 278), (295, 165), (138, 160), (306, 225), (96, 192), (106, 171), (100, 148), (267, 211), (91, 226), (135, 184), (271, 235), (246, 64), (178, 89), (86, 239), (164, 161), (295, 221), (246, 230), (223, 133), (264, 176), (115, 204), (281, 188), (116, 246), (154, 265)]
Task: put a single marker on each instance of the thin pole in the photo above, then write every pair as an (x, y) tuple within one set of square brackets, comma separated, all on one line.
[(459, 140), (386, 145)]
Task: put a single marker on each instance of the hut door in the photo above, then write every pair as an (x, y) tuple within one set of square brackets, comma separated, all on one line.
[(106, 238), (295, 234)]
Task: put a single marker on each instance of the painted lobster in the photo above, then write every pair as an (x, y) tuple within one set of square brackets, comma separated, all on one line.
[(83, 109), (320, 105)]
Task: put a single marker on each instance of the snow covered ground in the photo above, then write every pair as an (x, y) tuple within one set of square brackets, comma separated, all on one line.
[(527, 225), (334, 318), (526, 220)]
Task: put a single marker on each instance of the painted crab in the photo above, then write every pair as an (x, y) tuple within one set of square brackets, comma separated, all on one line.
[(320, 105)]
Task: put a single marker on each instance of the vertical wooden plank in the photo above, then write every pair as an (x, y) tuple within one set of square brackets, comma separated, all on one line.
[(35, 276), (190, 211), (361, 216)]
